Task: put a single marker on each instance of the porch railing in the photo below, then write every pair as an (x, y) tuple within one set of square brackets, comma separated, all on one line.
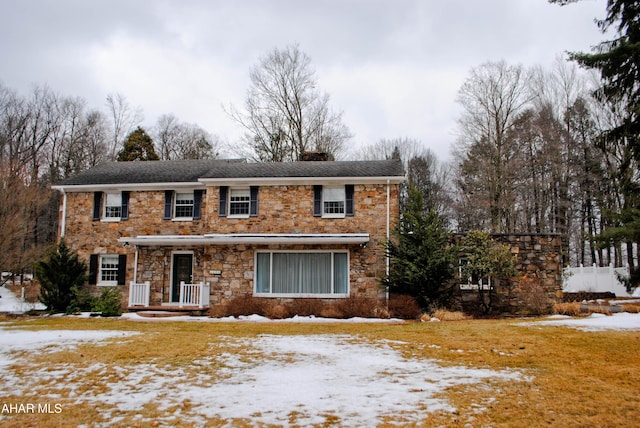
[(194, 295), (139, 293)]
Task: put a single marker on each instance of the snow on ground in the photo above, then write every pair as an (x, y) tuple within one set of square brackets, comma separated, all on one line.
[(257, 319), (10, 303), (596, 322), (317, 376)]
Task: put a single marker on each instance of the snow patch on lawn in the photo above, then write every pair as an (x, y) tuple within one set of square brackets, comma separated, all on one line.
[(258, 319), (596, 322), (11, 304), (316, 376)]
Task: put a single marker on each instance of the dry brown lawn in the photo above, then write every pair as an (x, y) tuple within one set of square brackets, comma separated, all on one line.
[(578, 379)]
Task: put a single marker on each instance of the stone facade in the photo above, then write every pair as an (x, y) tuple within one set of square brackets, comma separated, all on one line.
[(229, 269), (539, 260)]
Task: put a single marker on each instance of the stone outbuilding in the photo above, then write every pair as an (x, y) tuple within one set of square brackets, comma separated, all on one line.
[(539, 261)]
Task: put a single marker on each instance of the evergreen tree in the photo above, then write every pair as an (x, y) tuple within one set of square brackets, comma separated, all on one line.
[(61, 275), (422, 257), (618, 61), (138, 147)]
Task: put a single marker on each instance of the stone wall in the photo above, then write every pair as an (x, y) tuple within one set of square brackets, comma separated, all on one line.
[(539, 260), (281, 209)]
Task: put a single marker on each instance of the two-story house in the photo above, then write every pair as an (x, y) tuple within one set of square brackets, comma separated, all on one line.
[(199, 233)]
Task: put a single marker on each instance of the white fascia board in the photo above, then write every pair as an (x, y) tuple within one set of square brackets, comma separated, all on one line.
[(127, 186), (255, 239), (268, 238), (282, 181)]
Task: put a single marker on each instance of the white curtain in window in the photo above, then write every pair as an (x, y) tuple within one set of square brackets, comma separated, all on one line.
[(340, 273), (333, 194), (263, 273), (113, 200), (301, 273)]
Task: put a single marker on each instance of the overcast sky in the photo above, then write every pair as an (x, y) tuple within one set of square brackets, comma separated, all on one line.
[(392, 66)]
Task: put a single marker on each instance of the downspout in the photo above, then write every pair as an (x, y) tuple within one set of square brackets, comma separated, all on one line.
[(388, 231), (63, 221)]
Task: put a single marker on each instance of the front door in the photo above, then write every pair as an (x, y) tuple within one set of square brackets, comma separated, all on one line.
[(182, 271)]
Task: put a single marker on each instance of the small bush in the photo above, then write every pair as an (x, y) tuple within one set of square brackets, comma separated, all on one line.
[(533, 296), (331, 312), (571, 308), (445, 315), (356, 307), (305, 307), (277, 312), (404, 307), (600, 310), (82, 301), (631, 308), (109, 302), (246, 304)]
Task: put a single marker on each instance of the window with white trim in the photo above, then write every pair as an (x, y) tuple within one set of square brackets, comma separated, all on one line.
[(183, 205), (112, 206), (333, 201), (108, 269), (239, 201), (302, 274)]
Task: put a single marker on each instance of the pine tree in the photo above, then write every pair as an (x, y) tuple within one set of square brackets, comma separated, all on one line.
[(618, 61), (422, 257), (61, 275), (138, 147)]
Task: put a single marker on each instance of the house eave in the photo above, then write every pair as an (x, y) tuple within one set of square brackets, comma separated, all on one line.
[(246, 238), (127, 186), (301, 181)]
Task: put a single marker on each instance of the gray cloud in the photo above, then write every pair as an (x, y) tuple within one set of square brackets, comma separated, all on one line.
[(393, 66)]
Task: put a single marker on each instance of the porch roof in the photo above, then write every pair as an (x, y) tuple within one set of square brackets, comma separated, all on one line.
[(246, 238)]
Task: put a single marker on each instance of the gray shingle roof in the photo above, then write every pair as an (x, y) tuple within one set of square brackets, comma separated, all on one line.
[(182, 171), (383, 168), (176, 171)]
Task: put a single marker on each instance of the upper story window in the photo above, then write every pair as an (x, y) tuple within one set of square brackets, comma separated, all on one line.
[(333, 201), (182, 205), (238, 202), (110, 206), (113, 205)]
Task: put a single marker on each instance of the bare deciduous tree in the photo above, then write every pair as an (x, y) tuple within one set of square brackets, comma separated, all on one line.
[(492, 98), (178, 140), (125, 119), (285, 114)]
